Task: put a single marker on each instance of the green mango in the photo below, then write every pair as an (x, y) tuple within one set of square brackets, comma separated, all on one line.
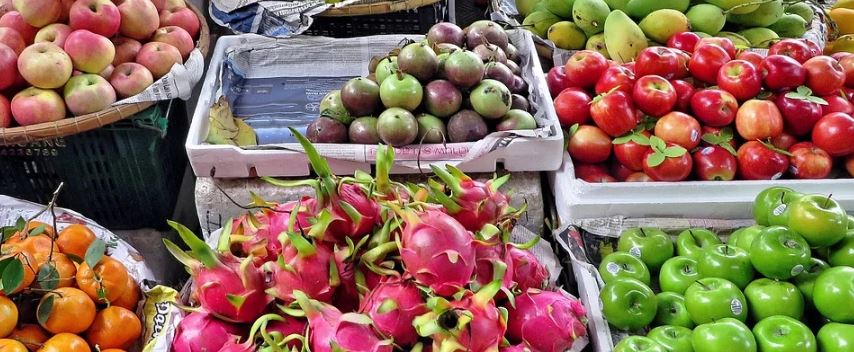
[(801, 9), (764, 16), (703, 34), (759, 37), (538, 22), (706, 18), (737, 39), (623, 37), (590, 15), (525, 7), (641, 8), (737, 7), (617, 4), (566, 35), (790, 26), (597, 44), (660, 25), (560, 8)]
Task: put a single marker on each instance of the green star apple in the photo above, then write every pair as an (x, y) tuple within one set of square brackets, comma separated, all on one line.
[(677, 274), (639, 344), (836, 337), (673, 338), (820, 219), (769, 200), (652, 246), (623, 265), (726, 262), (691, 242), (743, 237), (672, 310), (779, 253), (833, 294), (783, 334), (713, 298), (806, 280), (628, 304), (767, 298), (724, 335), (842, 253)]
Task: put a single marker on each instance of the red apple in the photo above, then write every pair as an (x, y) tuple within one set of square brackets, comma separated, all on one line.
[(740, 78), (707, 61), (758, 161), (56, 33), (98, 16), (848, 92), (34, 105), (614, 113), (45, 65), (836, 103), (182, 17), (629, 152), (824, 75), (139, 19), (682, 70), (657, 60), (130, 79), (685, 41), (849, 165), (5, 112), (815, 50), (556, 78), (809, 162), (800, 110), (159, 4), (585, 67), (616, 76), (39, 13), (714, 107), (66, 9), (793, 48), (12, 39), (654, 95), (758, 119), (833, 133), (126, 50), (589, 144), (178, 37), (6, 6), (684, 93), (572, 106), (718, 136), (600, 178), (722, 42), (640, 176), (782, 73), (158, 58), (175, 4), (839, 56), (89, 52), (751, 57), (14, 20), (590, 172), (714, 163), (619, 171), (675, 168), (784, 141), (88, 93), (847, 64), (679, 128)]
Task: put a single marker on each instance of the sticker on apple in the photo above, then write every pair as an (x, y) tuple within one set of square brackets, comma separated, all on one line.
[(779, 210), (736, 307), (613, 268), (635, 251), (797, 270)]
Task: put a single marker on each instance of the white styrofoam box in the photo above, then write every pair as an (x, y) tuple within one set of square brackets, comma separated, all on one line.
[(577, 199), (538, 150)]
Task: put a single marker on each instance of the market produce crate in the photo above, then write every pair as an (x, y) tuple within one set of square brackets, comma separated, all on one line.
[(125, 175), (282, 82)]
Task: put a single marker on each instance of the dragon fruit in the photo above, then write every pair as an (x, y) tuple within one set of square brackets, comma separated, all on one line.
[(490, 256), (473, 203), (472, 323), (546, 321), (286, 332), (224, 285), (333, 331), (392, 306), (308, 267), (437, 250), (526, 269), (258, 234), (276, 332), (515, 348), (200, 331)]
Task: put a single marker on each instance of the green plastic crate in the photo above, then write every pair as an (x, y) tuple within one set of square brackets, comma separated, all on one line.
[(124, 176)]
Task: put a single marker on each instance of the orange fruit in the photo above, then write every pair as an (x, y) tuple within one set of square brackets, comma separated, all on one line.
[(75, 240), (30, 267), (8, 316), (66, 269), (72, 311), (109, 277), (9, 345), (114, 327), (130, 298), (40, 246), (22, 235), (65, 342), (31, 335), (113, 350)]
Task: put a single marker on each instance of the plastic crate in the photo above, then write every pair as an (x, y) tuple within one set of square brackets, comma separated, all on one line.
[(124, 176), (417, 21)]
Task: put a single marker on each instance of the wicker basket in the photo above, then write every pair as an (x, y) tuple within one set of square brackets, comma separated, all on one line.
[(74, 125)]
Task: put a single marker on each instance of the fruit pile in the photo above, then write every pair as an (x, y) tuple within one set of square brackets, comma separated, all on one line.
[(373, 265), (454, 86), (699, 109), (787, 276), (60, 58), (609, 27), (842, 14), (62, 293)]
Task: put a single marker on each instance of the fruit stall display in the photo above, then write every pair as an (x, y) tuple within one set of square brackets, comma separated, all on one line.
[(369, 264), (779, 282), (842, 13)]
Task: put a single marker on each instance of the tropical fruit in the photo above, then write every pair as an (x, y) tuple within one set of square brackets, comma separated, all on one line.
[(706, 18), (623, 38), (660, 25), (590, 15)]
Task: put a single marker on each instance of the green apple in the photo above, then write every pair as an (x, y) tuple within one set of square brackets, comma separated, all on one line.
[(833, 294), (623, 265), (767, 298), (673, 338), (744, 236), (842, 253), (779, 215), (677, 274), (713, 298), (851, 222), (652, 246), (820, 219), (724, 335), (628, 304), (726, 262), (783, 334), (691, 242), (639, 344), (836, 337), (771, 199), (806, 280), (779, 253), (672, 310)]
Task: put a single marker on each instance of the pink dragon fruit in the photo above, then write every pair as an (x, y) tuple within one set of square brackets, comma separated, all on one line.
[(393, 305), (224, 285), (258, 234), (526, 269), (233, 345), (276, 331), (546, 321), (473, 203), (437, 250), (280, 331), (200, 332), (333, 331), (490, 256), (303, 266), (346, 297), (472, 323), (515, 348)]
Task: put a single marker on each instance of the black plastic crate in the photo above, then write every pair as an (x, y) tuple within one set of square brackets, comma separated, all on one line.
[(416, 21), (124, 176)]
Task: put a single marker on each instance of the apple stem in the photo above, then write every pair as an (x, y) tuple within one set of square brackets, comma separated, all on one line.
[(704, 286), (827, 200), (782, 196), (643, 233), (726, 249)]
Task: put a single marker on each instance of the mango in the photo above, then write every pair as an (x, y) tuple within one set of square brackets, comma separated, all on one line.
[(737, 39), (759, 37), (525, 7), (560, 8), (844, 19), (642, 8), (623, 37), (661, 24), (590, 15), (844, 43), (801, 9), (737, 7), (764, 16), (789, 26), (706, 18), (845, 4), (597, 44), (538, 22), (567, 35), (617, 4), (703, 34)]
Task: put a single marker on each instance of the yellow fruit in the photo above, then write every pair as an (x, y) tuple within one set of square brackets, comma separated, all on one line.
[(845, 4), (567, 35), (844, 19), (8, 316), (844, 43)]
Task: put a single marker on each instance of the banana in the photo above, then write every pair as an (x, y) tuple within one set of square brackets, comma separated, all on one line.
[(245, 134), (623, 38), (223, 128)]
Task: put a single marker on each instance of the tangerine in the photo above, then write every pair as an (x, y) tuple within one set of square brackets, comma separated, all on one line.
[(26, 258), (75, 240), (31, 335), (113, 350), (130, 298), (106, 283), (9, 345), (8, 316), (65, 342), (65, 268), (42, 247), (72, 311), (114, 327)]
